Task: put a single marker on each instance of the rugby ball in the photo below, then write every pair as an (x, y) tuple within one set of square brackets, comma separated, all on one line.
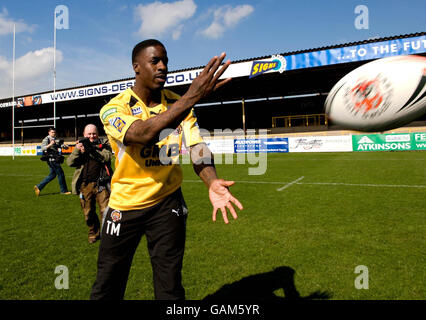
[(380, 95)]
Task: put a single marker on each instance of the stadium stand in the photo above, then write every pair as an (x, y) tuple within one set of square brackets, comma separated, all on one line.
[(283, 103)]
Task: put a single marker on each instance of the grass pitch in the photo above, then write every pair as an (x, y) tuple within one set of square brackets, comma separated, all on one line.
[(311, 217)]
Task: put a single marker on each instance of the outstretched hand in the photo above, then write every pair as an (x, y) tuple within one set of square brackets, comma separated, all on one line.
[(222, 199), (208, 80)]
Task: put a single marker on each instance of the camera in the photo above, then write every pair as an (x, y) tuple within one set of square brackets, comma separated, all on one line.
[(61, 143), (86, 143), (92, 147)]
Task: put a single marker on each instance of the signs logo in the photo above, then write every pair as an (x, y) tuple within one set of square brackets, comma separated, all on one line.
[(277, 63)]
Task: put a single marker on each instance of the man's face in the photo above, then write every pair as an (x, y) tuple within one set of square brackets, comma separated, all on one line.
[(91, 132), (52, 133), (151, 64)]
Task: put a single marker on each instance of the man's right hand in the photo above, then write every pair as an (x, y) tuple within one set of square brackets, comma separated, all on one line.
[(148, 131), (208, 80)]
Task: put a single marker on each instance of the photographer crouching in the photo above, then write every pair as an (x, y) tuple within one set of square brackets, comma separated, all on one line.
[(51, 148), (92, 178)]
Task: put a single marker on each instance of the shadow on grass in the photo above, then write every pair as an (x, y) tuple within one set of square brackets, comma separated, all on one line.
[(262, 286), (51, 194), (48, 194)]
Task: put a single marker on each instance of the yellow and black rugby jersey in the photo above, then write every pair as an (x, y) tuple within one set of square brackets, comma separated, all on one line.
[(144, 175)]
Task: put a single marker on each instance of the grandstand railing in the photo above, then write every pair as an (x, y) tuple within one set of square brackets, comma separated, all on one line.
[(300, 120)]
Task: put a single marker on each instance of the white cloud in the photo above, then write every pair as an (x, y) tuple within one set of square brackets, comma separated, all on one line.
[(159, 18), (80, 66), (177, 32), (6, 24), (35, 63), (226, 17), (33, 72)]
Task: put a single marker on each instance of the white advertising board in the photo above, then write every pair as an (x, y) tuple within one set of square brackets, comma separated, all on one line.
[(320, 144), (221, 145)]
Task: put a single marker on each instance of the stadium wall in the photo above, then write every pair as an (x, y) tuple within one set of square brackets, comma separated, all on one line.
[(348, 141)]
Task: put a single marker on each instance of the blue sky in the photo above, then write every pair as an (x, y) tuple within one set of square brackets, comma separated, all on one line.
[(97, 45)]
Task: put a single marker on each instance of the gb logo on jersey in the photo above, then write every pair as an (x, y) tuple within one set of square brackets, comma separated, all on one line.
[(113, 227)]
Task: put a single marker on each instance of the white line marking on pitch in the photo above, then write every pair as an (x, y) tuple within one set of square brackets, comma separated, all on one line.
[(270, 182), (364, 184), (291, 183), (325, 183)]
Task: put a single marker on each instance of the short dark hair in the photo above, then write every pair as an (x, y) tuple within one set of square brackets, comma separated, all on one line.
[(51, 128), (144, 44)]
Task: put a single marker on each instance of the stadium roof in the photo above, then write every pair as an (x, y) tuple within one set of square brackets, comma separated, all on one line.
[(348, 44), (295, 54)]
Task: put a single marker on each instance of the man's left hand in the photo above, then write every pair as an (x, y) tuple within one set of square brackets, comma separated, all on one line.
[(221, 198), (79, 146)]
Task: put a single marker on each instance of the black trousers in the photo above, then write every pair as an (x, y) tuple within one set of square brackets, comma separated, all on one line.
[(164, 226)]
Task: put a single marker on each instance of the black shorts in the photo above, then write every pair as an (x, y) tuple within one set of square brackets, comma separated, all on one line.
[(164, 226)]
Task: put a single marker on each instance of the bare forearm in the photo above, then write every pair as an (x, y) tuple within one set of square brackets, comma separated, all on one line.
[(203, 163), (207, 173)]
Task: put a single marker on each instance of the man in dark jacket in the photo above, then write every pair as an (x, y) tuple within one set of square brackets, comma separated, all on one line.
[(51, 148), (92, 177)]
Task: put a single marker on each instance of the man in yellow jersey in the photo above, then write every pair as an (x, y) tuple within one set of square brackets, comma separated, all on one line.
[(146, 126)]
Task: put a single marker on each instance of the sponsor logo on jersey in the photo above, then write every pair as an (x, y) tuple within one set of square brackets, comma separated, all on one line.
[(117, 123), (116, 215), (136, 110), (108, 112)]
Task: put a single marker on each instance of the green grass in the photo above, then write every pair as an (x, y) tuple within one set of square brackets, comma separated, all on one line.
[(350, 209)]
